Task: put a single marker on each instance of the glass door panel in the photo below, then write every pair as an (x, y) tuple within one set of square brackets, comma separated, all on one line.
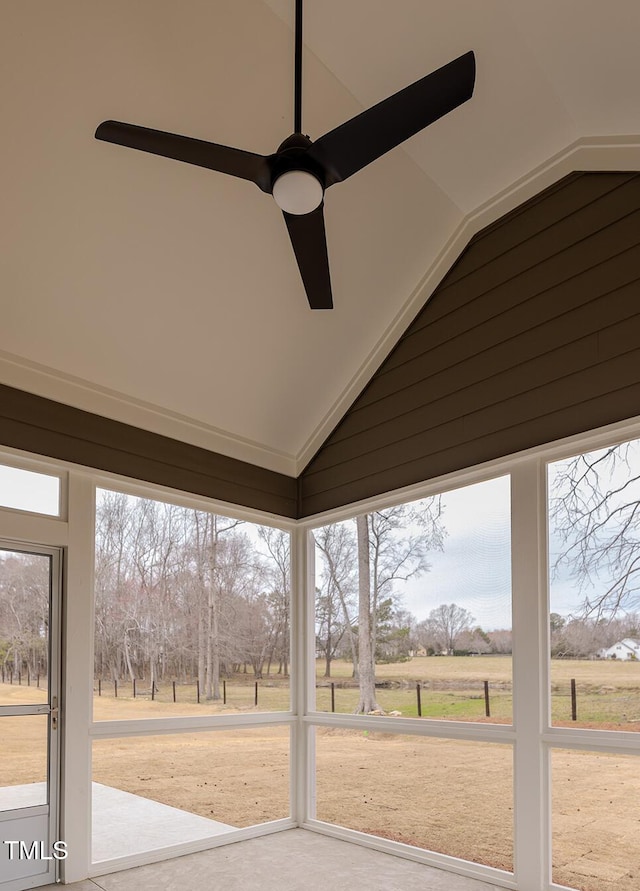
[(25, 595)]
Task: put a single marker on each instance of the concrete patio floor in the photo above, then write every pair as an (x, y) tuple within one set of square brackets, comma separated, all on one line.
[(294, 860), (124, 824)]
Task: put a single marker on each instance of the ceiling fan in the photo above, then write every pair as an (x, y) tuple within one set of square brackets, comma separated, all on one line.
[(300, 171)]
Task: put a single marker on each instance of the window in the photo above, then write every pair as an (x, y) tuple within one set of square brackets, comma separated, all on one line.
[(594, 633), (594, 559), (444, 795), (429, 635), (595, 820), (29, 491), (191, 612), (413, 621), (186, 787)]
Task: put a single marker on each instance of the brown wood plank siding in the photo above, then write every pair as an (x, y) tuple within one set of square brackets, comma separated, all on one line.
[(533, 335), (566, 198), (49, 428)]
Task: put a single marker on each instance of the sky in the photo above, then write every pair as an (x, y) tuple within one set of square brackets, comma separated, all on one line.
[(474, 569), (26, 490)]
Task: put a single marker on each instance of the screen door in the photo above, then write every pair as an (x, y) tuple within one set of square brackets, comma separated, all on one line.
[(30, 850)]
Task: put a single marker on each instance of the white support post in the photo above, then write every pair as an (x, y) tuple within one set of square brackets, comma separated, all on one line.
[(530, 674), (304, 576), (310, 674), (78, 680)]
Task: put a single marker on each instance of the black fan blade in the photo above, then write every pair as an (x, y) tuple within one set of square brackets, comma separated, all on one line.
[(358, 142), (222, 158), (309, 241)]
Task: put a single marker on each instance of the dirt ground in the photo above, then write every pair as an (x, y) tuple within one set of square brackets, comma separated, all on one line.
[(444, 795)]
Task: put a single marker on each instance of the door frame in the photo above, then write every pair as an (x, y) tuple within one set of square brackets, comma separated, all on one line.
[(53, 709)]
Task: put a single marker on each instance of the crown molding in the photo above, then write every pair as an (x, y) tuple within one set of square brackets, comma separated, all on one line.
[(78, 393)]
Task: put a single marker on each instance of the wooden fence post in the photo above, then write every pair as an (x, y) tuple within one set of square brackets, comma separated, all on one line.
[(574, 703), (487, 710), (255, 700), (134, 688), (198, 691), (419, 699), (174, 691), (333, 697), (224, 692), (115, 689)]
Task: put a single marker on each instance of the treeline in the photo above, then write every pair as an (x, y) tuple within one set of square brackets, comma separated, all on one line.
[(24, 614), (181, 593), (581, 638), (449, 630)]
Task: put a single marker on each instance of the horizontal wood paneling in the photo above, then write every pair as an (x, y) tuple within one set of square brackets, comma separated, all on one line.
[(608, 288), (472, 303), (562, 202), (547, 351), (540, 316), (59, 431), (564, 422), (520, 406)]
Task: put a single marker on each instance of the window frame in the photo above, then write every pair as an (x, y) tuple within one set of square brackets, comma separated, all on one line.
[(531, 734)]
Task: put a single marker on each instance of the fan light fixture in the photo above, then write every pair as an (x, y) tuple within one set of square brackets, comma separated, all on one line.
[(300, 170), (298, 192)]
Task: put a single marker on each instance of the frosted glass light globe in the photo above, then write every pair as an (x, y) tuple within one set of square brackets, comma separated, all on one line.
[(297, 192)]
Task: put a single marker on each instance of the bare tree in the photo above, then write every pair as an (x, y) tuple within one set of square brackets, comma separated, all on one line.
[(392, 547), (473, 640), (448, 621), (501, 640), (366, 653), (277, 573), (336, 598), (595, 516)]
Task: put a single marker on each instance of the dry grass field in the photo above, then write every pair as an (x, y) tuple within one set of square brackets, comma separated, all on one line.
[(444, 795)]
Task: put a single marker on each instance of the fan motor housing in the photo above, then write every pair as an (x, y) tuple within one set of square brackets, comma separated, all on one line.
[(293, 154)]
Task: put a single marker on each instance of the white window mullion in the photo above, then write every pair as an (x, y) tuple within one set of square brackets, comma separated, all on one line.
[(530, 708)]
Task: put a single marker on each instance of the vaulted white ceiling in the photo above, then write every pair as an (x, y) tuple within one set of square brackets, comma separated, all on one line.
[(167, 296)]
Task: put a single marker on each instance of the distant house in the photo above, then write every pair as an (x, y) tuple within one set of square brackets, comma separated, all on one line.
[(625, 649)]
